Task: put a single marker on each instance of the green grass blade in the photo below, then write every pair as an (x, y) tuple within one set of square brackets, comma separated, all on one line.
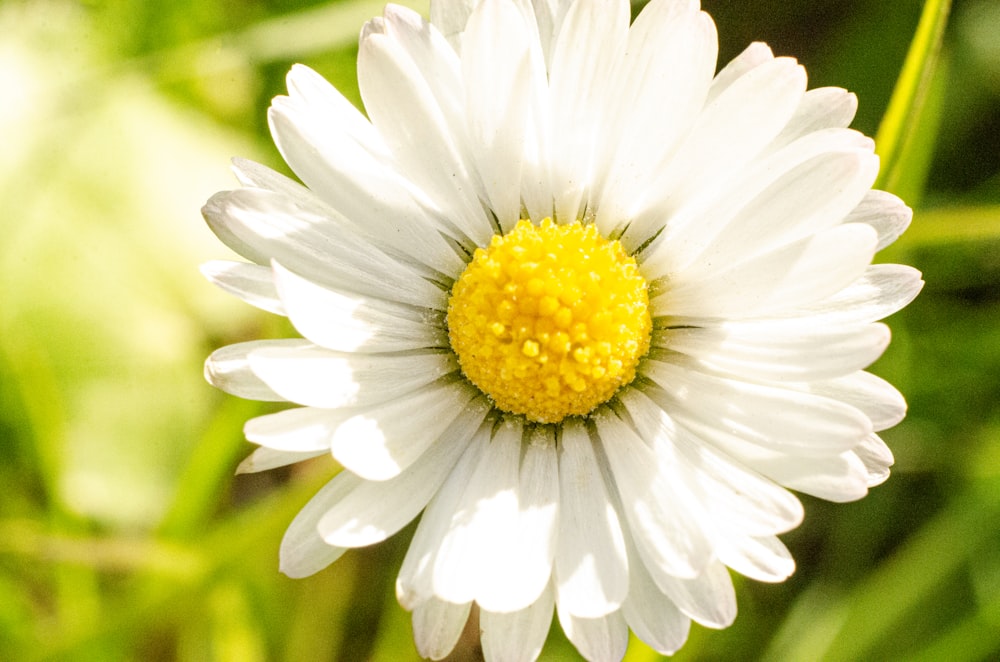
[(909, 98), (954, 225)]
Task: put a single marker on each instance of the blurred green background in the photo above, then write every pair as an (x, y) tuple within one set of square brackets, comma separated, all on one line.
[(124, 534)]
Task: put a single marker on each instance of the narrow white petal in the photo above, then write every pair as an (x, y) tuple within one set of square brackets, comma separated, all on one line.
[(808, 424), (667, 535), (780, 350), (494, 88), (315, 243), (650, 613), (708, 599), (821, 108), (876, 457), (302, 429), (375, 510), (450, 17), (323, 378), (731, 130), (527, 562), (813, 196), (752, 56), (253, 283), (697, 220), (399, 96), (886, 213), (882, 290), (661, 86), (591, 568), (801, 273), (737, 498), (303, 552), (355, 323), (601, 639), (877, 398), (339, 155), (841, 477), (381, 441), (415, 582), (437, 625), (485, 517), (764, 558), (228, 368), (265, 458), (517, 636), (584, 55)]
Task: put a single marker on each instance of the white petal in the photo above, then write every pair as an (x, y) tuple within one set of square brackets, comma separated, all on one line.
[(650, 613), (529, 559), (882, 290), (415, 582), (517, 636), (265, 458), (303, 429), (667, 535), (697, 220), (500, 545), (252, 283), (821, 108), (486, 514), (708, 599), (303, 551), (780, 350), (323, 378), (592, 574), (494, 88), (601, 639), (877, 398), (811, 197), (803, 272), (752, 56), (661, 86), (782, 419), (731, 130), (738, 498), (228, 368), (316, 244), (354, 323), (886, 213), (585, 52), (336, 152), (841, 477), (437, 625), (399, 96), (764, 558), (381, 441), (876, 457), (375, 510), (450, 17)]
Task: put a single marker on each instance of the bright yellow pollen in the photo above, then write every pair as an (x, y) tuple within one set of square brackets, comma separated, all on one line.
[(550, 320)]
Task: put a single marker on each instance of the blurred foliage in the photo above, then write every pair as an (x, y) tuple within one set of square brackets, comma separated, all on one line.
[(124, 535)]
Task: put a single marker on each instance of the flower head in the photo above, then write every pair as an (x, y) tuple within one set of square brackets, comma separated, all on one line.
[(590, 306)]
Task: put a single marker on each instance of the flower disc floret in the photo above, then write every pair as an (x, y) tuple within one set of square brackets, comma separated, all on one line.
[(550, 320)]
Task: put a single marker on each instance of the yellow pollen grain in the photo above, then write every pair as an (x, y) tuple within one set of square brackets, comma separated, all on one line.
[(550, 320)]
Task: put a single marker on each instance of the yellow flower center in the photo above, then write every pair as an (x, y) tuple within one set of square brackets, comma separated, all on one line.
[(550, 320)]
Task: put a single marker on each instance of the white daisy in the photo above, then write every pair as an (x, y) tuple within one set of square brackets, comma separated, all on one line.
[(589, 305)]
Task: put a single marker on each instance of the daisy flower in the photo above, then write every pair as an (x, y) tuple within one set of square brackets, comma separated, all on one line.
[(590, 306)]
